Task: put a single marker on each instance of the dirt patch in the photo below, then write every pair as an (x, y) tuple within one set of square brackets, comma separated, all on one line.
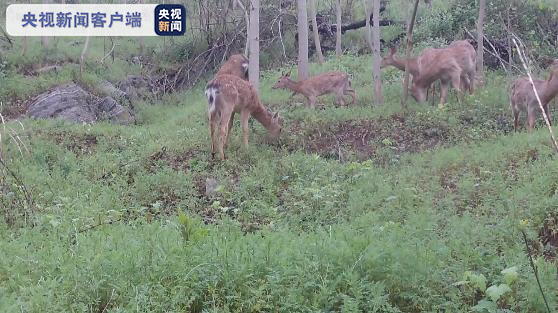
[(366, 137), (79, 144), (177, 161), (15, 110)]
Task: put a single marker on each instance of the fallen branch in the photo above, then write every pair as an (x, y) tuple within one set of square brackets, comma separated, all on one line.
[(524, 61)]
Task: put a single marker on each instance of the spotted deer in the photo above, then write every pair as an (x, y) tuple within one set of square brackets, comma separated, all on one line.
[(523, 99), (227, 95), (336, 83), (236, 65)]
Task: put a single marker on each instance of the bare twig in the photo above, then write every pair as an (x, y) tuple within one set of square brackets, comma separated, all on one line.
[(495, 54), (102, 60), (7, 36), (524, 61), (535, 269)]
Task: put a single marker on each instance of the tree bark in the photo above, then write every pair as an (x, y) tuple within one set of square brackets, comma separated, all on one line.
[(338, 12), (247, 18), (408, 53), (367, 24), (82, 57), (302, 40), (141, 39), (379, 98), (480, 41), (254, 39), (313, 12)]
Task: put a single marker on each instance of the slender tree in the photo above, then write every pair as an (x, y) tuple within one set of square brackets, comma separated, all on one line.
[(379, 98), (247, 18), (367, 8), (410, 27), (82, 57), (141, 39), (302, 40), (338, 12), (313, 12), (480, 40), (254, 39)]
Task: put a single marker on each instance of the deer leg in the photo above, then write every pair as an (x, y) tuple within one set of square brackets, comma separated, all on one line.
[(225, 117), (231, 120), (244, 117), (456, 83), (339, 98), (352, 93), (443, 93), (212, 124), (530, 120), (312, 101), (547, 114), (515, 120)]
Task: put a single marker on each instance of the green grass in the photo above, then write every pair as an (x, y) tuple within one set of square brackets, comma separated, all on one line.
[(117, 221)]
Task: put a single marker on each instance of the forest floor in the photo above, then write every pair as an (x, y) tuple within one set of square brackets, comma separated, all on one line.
[(354, 209)]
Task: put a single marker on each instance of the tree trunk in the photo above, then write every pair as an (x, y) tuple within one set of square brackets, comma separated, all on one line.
[(313, 12), (254, 39), (367, 24), (141, 39), (82, 57), (44, 39), (302, 40), (338, 51), (247, 18), (480, 41), (379, 98), (408, 53)]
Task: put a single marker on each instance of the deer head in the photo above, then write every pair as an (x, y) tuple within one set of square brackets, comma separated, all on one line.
[(275, 126), (389, 58), (283, 81)]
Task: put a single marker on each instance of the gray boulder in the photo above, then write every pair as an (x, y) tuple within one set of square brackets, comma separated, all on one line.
[(136, 87), (70, 102)]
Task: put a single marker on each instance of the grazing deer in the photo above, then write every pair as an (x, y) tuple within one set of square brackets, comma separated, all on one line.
[(236, 65), (466, 60), (522, 96), (449, 65), (227, 95), (337, 83)]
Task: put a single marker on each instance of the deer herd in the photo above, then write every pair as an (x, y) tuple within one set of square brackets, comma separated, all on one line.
[(230, 91)]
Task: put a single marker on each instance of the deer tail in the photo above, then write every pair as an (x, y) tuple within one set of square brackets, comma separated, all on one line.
[(212, 93)]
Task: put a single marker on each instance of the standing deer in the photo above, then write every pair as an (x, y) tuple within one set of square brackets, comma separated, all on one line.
[(236, 65), (228, 94), (337, 83), (417, 64), (453, 65), (522, 96)]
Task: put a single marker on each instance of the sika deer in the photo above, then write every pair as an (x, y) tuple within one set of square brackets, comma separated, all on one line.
[(452, 64), (466, 59), (236, 65), (337, 83), (522, 96), (227, 95)]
